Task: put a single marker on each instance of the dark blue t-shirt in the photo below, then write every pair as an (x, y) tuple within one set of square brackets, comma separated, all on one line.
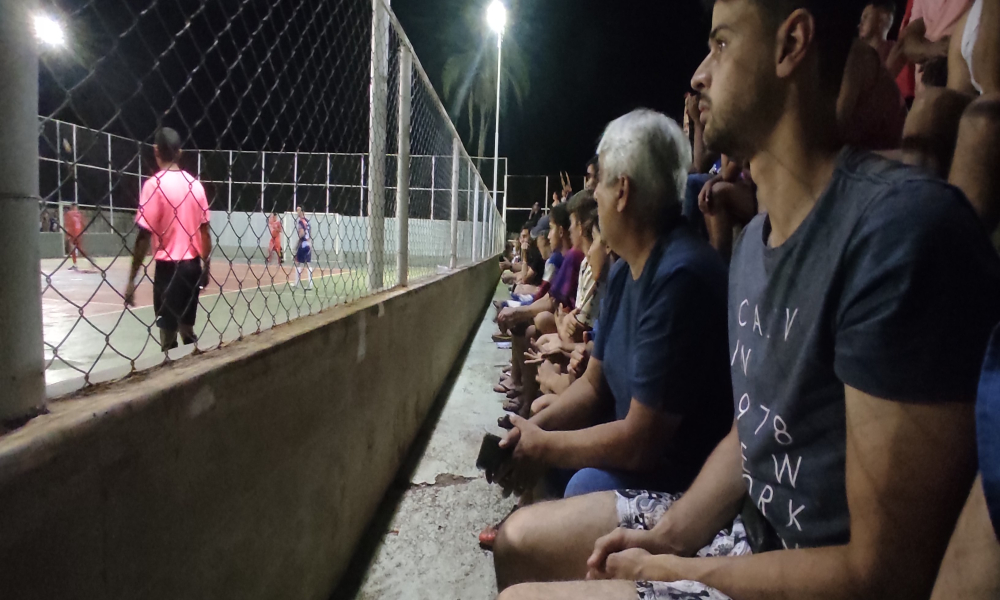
[(988, 429), (889, 286), (663, 343)]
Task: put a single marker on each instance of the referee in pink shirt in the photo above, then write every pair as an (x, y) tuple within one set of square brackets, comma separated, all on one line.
[(173, 215)]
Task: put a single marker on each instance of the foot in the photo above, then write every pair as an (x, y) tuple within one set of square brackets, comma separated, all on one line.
[(500, 337), (74, 268)]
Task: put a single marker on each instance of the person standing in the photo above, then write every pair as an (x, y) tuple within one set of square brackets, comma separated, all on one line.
[(173, 213), (274, 224), (74, 231), (303, 255)]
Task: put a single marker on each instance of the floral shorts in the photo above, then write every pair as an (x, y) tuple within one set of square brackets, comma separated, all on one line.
[(643, 510)]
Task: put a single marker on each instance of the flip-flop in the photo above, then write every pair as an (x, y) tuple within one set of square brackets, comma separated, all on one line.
[(488, 536), (499, 337), (512, 406), (500, 388)]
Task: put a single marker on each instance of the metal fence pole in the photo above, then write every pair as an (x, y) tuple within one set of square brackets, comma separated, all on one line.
[(361, 207), (433, 178), (22, 360), (263, 159), (455, 145), (230, 183), (403, 164), (377, 128), (111, 188), (487, 217), (475, 220), (328, 187), (295, 182)]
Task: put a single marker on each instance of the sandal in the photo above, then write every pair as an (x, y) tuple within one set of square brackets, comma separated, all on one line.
[(512, 406), (488, 536)]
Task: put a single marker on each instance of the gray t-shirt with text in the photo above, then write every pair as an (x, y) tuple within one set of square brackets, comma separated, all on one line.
[(889, 286)]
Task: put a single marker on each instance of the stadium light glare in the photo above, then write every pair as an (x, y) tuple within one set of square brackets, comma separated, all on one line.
[(496, 16), (49, 31)]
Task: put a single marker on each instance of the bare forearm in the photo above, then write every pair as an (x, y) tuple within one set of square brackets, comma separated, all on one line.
[(575, 408), (206, 243), (819, 574), (139, 253), (604, 446), (924, 50), (710, 505)]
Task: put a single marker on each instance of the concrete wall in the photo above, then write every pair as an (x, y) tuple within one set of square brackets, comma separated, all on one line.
[(249, 472)]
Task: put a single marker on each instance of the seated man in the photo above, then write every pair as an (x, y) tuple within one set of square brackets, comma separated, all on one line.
[(860, 305), (660, 364), (527, 293), (510, 270)]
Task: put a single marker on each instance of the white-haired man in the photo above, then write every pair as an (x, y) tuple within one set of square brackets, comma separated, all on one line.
[(660, 362)]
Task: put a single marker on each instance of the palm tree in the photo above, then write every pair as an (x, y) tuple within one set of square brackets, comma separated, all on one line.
[(469, 77)]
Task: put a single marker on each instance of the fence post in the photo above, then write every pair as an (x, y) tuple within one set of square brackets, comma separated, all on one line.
[(433, 181), (295, 182), (328, 186), (453, 263), (230, 185), (377, 129), (111, 188), (403, 164), (263, 159), (475, 221), (22, 360)]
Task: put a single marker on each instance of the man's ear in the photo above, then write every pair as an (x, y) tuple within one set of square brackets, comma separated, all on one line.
[(624, 190), (794, 39)]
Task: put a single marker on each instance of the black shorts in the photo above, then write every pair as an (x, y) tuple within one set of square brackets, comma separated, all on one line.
[(175, 293)]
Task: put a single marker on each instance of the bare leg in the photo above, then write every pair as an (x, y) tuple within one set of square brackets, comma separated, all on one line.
[(931, 129), (986, 55), (167, 339), (551, 541), (977, 156), (573, 590), (545, 323), (971, 566), (529, 375)]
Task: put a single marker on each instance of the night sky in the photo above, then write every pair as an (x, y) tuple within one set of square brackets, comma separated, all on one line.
[(590, 61)]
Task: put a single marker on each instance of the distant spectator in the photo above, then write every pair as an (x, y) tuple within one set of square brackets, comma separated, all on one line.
[(593, 168), (534, 215), (876, 21), (925, 34), (870, 108)]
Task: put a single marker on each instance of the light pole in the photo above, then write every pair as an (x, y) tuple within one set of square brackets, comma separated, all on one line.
[(496, 16)]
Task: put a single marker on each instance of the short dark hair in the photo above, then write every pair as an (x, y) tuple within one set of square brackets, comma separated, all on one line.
[(584, 207), (887, 5), (594, 162), (836, 28), (559, 215), (168, 144)]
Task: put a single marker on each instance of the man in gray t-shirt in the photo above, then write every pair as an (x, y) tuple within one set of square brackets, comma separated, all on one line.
[(889, 286)]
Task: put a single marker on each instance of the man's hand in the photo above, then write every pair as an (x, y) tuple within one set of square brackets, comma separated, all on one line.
[(509, 317), (705, 200), (617, 542), (691, 107), (578, 360), (523, 470), (130, 294), (549, 345)]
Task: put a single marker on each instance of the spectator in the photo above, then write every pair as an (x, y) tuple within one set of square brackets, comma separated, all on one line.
[(704, 167), (525, 323), (870, 108), (593, 171), (876, 21), (925, 36), (860, 306), (660, 356), (173, 213), (534, 215), (556, 199), (727, 201)]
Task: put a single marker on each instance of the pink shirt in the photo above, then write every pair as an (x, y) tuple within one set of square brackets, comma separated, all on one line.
[(940, 16), (173, 207)]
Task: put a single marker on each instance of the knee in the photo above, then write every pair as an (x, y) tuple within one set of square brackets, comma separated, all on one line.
[(512, 539), (517, 592), (982, 117)]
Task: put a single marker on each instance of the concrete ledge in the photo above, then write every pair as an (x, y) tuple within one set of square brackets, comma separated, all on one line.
[(250, 472)]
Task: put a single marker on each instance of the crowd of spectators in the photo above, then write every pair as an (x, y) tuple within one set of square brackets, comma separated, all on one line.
[(757, 356)]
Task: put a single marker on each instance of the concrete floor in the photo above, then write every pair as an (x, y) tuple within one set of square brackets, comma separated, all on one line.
[(424, 543)]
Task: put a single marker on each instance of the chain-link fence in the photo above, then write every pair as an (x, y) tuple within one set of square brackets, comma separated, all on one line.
[(282, 105), (524, 191)]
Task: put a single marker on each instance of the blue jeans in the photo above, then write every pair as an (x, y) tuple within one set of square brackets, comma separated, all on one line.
[(695, 184), (589, 481), (988, 429)]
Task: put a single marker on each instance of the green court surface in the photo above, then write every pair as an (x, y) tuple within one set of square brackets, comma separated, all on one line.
[(91, 337)]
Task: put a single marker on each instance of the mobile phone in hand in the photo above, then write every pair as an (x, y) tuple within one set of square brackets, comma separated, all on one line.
[(491, 455)]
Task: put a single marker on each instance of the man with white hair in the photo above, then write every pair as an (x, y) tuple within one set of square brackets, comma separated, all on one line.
[(660, 362)]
